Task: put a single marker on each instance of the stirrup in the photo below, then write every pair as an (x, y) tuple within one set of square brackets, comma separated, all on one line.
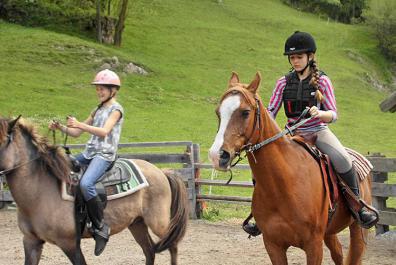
[(370, 209)]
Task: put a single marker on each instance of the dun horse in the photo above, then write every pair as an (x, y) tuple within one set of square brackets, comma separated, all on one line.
[(289, 201), (34, 170)]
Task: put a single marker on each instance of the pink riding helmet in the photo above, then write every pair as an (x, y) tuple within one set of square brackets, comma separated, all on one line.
[(106, 77)]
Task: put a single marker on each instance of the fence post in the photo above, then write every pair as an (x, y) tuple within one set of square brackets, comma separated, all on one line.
[(380, 202), (197, 175), (191, 182)]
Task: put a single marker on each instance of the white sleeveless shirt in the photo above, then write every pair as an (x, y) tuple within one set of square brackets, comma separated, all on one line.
[(105, 147)]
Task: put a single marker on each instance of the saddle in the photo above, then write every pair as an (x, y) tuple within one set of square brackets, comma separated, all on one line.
[(334, 185), (123, 177)]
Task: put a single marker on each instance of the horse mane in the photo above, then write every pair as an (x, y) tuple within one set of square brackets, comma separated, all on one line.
[(52, 157)]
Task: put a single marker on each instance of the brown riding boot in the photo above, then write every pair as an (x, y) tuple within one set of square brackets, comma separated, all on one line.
[(367, 218), (101, 230)]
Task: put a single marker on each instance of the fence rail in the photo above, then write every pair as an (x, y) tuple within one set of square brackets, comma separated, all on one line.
[(187, 164)]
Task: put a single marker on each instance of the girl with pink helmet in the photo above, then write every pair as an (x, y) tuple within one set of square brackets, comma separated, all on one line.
[(104, 124)]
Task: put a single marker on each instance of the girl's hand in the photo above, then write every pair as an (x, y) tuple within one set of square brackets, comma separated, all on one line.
[(315, 112), (53, 125), (72, 122)]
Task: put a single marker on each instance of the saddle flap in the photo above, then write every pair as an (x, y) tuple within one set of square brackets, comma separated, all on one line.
[(119, 173)]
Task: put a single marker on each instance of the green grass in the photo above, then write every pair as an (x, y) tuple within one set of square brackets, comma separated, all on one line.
[(190, 48)]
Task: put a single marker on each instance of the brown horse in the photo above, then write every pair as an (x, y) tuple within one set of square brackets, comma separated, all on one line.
[(34, 170), (289, 201)]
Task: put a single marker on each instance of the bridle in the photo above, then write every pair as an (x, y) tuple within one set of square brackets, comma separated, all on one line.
[(249, 147)]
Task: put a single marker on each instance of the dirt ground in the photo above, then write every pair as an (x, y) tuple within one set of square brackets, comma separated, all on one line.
[(205, 243)]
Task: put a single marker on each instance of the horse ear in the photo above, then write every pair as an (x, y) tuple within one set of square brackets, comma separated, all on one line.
[(233, 80), (254, 85), (11, 124)]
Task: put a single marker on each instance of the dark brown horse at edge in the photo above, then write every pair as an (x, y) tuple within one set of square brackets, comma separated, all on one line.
[(289, 205), (34, 171)]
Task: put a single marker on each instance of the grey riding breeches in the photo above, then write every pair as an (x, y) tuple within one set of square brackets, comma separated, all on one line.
[(329, 144)]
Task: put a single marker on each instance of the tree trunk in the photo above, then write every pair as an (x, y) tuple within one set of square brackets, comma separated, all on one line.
[(98, 22), (120, 23)]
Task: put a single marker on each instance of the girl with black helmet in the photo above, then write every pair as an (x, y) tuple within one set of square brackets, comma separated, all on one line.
[(307, 87)]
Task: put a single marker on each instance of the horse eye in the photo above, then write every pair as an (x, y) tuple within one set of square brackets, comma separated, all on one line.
[(245, 113)]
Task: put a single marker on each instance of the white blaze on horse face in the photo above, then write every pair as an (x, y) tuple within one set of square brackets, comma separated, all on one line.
[(227, 108)]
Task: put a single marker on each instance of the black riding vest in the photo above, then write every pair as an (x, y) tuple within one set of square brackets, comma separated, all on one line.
[(298, 94)]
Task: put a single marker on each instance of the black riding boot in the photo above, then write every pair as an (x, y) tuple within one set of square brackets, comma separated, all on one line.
[(101, 230), (251, 228), (367, 218)]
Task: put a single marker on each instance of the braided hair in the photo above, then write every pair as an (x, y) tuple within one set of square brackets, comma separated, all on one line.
[(315, 80)]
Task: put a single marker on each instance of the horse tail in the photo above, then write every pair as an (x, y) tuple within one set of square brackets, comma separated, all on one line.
[(179, 213)]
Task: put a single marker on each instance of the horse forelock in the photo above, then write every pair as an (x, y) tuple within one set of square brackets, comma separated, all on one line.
[(52, 157), (241, 89)]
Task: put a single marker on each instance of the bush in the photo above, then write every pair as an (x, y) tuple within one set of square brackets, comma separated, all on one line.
[(344, 11), (63, 15), (382, 16)]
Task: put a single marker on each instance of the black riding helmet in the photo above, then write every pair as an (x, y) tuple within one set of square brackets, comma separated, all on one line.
[(300, 42)]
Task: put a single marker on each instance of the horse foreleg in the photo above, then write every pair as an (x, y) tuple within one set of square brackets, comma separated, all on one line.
[(314, 252), (334, 245), (140, 232), (72, 255), (33, 248), (173, 254), (276, 253), (356, 245)]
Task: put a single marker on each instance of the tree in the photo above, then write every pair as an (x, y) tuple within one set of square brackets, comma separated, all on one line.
[(120, 23), (98, 22)]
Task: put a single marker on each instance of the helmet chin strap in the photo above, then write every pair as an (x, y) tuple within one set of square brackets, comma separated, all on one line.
[(108, 99), (103, 102), (309, 63)]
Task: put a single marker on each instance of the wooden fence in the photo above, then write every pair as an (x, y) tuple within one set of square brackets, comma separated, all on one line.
[(183, 163), (187, 164), (380, 191)]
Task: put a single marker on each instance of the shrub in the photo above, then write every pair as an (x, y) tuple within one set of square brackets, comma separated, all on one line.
[(63, 15), (382, 16), (344, 11)]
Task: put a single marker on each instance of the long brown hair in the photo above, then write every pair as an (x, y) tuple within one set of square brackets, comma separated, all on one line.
[(315, 75)]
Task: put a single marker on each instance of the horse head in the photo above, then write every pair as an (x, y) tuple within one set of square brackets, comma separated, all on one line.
[(7, 127), (239, 121)]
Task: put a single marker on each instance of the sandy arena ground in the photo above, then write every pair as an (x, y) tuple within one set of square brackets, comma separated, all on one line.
[(205, 243)]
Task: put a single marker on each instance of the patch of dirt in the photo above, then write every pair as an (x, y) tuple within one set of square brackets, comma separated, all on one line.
[(205, 243)]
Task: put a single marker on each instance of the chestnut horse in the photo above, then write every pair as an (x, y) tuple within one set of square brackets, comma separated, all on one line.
[(289, 205), (34, 171)]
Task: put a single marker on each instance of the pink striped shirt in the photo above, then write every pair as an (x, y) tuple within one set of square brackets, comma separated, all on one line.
[(329, 103)]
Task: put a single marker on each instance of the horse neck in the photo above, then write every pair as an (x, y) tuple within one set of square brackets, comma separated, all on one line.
[(27, 181), (272, 160), (269, 127)]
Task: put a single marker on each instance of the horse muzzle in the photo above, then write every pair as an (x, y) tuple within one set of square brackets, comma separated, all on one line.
[(221, 160), (225, 160)]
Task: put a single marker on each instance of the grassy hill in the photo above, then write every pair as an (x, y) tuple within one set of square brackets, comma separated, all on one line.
[(190, 48)]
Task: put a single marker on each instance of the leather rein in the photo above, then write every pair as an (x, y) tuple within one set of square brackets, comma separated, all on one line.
[(255, 103)]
